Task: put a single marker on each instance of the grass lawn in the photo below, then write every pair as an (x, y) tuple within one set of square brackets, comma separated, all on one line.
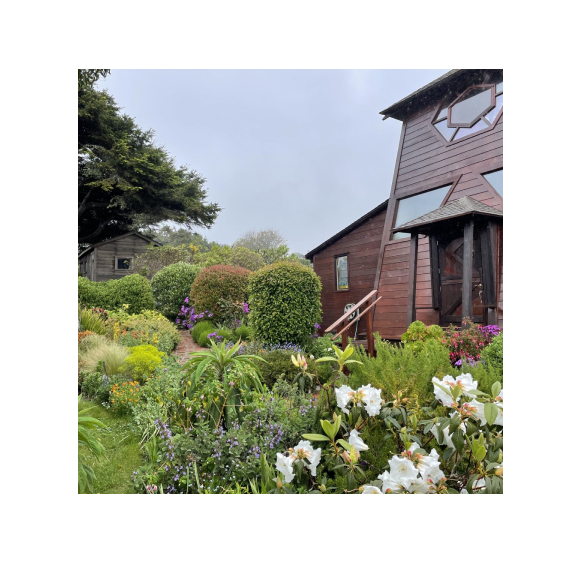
[(122, 452)]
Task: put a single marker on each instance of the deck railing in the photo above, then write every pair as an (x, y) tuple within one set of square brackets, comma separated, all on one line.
[(367, 300)]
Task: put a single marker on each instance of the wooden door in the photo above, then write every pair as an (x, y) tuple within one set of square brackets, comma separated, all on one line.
[(450, 259)]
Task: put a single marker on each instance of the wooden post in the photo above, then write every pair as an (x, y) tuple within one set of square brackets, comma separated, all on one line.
[(434, 271), (411, 306), (344, 345), (467, 258), (369, 335)]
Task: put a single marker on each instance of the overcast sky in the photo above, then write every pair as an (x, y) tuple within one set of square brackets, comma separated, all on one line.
[(301, 151)]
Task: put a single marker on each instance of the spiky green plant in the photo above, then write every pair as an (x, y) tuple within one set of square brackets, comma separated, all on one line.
[(86, 475)]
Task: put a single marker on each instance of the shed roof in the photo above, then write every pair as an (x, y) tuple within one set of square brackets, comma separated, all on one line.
[(347, 230), (103, 242), (453, 81), (457, 208)]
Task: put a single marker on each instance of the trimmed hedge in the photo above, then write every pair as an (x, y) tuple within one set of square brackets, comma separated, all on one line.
[(133, 290), (219, 282), (172, 285), (284, 300)]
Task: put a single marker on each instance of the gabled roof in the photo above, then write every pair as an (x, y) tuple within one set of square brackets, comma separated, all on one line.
[(93, 246), (450, 83), (347, 230), (458, 208)]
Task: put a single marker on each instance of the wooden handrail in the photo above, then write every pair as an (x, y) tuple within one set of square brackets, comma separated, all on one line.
[(358, 318), (351, 311)]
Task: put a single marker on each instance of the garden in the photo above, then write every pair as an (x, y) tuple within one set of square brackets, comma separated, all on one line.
[(266, 403)]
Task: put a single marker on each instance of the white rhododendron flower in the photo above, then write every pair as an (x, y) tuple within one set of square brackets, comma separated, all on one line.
[(367, 395), (343, 396), (284, 465), (480, 411), (465, 382), (371, 490), (304, 451), (403, 471), (404, 475), (357, 442), (499, 403)]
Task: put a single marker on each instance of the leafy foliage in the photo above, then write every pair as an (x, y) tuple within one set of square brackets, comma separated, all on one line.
[(284, 302), (243, 257), (205, 326), (126, 181), (156, 258), (132, 290), (141, 362), (219, 282), (88, 76), (178, 237), (91, 321), (492, 355), (86, 439), (467, 342), (418, 333), (172, 285), (149, 327)]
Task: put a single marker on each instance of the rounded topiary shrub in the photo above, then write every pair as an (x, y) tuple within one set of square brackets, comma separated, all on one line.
[(219, 282), (172, 285), (284, 300), (134, 290)]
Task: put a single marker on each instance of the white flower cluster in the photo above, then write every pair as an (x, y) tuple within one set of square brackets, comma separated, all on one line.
[(304, 452), (412, 472), (466, 383), (367, 395)]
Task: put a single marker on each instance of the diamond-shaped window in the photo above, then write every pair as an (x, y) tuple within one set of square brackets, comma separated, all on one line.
[(471, 106)]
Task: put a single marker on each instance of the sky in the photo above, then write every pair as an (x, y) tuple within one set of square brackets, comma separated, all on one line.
[(301, 151)]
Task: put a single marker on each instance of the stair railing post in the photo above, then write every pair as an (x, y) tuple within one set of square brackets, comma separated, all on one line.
[(369, 335)]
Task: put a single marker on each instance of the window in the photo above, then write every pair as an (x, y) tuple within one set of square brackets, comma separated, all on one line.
[(471, 106), (342, 282), (122, 263), (496, 180), (476, 109), (416, 206)]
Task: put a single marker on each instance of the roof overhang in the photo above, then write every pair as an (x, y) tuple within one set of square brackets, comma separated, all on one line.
[(103, 242)]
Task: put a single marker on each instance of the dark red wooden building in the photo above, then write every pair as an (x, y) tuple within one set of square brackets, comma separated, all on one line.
[(433, 250)]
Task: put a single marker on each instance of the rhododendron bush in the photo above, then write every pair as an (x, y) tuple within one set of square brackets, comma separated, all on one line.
[(454, 445)]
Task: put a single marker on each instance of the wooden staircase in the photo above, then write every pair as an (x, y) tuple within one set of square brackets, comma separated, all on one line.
[(368, 303)]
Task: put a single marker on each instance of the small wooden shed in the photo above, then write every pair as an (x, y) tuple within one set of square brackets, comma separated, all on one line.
[(111, 259)]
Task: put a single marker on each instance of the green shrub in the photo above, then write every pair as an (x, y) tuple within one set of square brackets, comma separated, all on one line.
[(401, 368), (149, 327), (200, 327), (485, 374), (94, 349), (243, 332), (243, 257), (219, 282), (227, 334), (203, 340), (141, 362), (132, 290), (418, 333), (284, 303), (172, 285), (492, 355), (155, 258), (91, 321)]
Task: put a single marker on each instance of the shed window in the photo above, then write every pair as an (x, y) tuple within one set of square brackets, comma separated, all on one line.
[(342, 281), (123, 263), (496, 180), (414, 207)]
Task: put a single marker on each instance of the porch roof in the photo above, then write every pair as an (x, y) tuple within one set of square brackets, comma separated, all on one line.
[(458, 208)]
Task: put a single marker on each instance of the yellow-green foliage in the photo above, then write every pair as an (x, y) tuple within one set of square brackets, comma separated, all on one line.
[(418, 333), (141, 362), (93, 349), (149, 327), (90, 321)]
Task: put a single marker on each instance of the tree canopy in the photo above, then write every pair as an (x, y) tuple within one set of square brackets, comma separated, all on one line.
[(178, 237), (125, 181)]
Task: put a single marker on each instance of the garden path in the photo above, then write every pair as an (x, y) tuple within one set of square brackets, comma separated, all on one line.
[(186, 346)]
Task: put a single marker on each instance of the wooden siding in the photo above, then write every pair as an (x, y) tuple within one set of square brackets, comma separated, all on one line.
[(127, 247), (426, 161), (362, 246)]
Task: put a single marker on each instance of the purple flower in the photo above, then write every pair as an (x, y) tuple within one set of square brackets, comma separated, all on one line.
[(186, 299)]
